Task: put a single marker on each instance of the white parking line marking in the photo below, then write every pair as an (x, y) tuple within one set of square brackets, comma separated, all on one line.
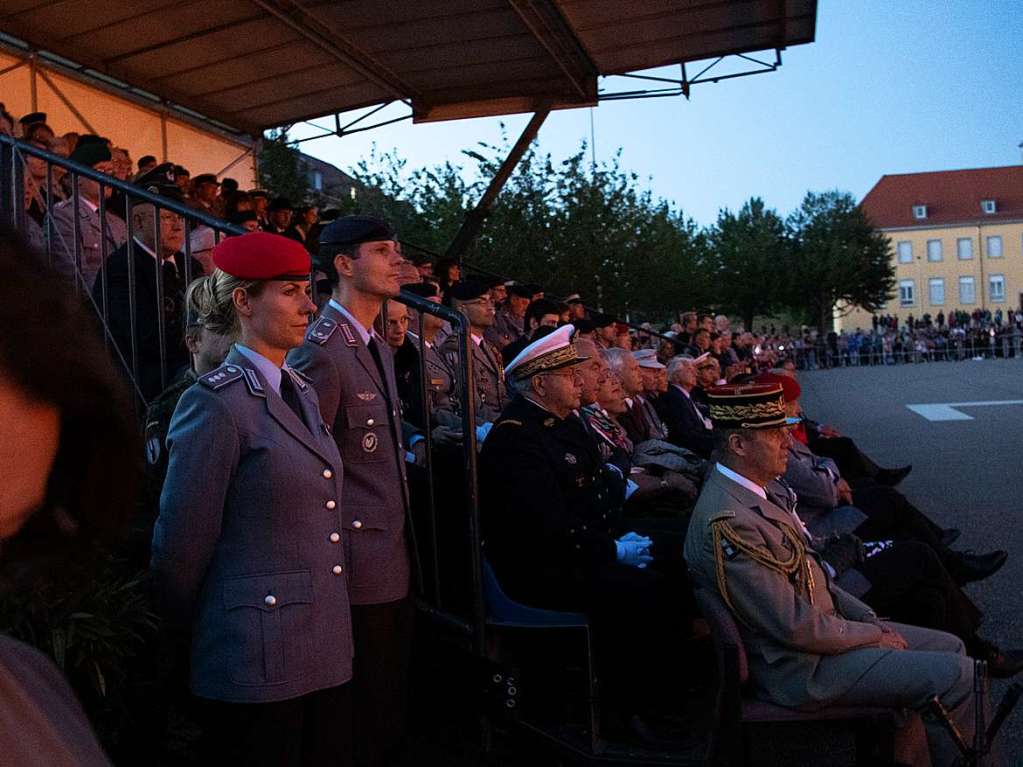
[(946, 411)]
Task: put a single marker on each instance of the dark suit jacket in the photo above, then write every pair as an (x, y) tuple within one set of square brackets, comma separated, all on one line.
[(249, 548), (147, 311), (363, 412), (685, 426)]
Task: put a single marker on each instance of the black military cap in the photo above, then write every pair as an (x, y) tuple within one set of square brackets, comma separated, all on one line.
[(353, 230), (584, 326), (145, 160), (601, 320), (241, 216), (423, 289), (91, 138), (533, 289), (260, 193), (279, 203), (205, 178), (33, 117), (181, 170), (520, 290), (491, 282), (90, 153), (160, 180), (469, 290)]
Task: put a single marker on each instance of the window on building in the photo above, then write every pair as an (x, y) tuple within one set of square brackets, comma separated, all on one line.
[(907, 289), (934, 250), (919, 211), (996, 287), (988, 206), (352, 193), (964, 248), (317, 181), (936, 291), (905, 250), (967, 290), (994, 246)]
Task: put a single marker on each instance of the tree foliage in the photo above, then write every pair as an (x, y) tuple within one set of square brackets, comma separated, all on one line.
[(576, 226), (838, 258), (281, 171), (749, 250)]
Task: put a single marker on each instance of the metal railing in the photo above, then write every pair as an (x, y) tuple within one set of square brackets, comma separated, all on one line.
[(138, 337)]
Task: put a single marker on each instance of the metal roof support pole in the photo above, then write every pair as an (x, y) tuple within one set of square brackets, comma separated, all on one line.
[(475, 218), (32, 81), (67, 102)]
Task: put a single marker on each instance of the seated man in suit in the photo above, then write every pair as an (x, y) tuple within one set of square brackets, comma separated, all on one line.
[(687, 426), (809, 643)]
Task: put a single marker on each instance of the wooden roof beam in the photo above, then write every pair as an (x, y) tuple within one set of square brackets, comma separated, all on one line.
[(548, 26)]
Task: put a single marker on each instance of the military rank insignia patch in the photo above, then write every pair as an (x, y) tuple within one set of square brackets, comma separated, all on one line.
[(569, 458), (366, 396), (370, 442), (346, 331), (729, 550)]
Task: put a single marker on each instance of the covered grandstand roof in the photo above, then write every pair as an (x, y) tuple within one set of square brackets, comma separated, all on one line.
[(258, 64)]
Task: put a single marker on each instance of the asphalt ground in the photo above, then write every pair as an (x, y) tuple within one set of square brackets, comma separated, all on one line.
[(966, 473)]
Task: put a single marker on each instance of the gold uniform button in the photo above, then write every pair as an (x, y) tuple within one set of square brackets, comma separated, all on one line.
[(335, 537), (270, 600), (357, 524), (331, 505), (327, 474), (337, 570)]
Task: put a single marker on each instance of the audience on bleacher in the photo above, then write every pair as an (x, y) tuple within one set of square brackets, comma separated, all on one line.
[(593, 450)]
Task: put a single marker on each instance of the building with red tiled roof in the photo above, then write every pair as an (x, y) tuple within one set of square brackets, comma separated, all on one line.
[(957, 241)]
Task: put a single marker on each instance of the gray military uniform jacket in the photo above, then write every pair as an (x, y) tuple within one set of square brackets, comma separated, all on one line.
[(91, 243), (490, 391), (249, 547), (440, 385), (789, 613), (506, 328), (362, 409), (814, 481)]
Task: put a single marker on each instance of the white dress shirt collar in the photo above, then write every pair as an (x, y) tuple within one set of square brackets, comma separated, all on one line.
[(736, 477)]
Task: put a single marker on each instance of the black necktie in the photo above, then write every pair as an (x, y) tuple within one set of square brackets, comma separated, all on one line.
[(374, 349), (290, 395)]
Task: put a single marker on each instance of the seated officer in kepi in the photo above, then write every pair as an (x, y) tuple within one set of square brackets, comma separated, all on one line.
[(810, 644), (551, 511)]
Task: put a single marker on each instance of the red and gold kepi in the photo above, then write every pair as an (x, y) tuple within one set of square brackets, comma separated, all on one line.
[(748, 406)]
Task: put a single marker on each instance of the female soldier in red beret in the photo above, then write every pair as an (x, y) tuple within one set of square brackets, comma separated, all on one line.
[(247, 549)]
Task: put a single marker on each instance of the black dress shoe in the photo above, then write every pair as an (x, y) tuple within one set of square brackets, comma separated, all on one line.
[(949, 536), (892, 477), (966, 567), (1002, 664)]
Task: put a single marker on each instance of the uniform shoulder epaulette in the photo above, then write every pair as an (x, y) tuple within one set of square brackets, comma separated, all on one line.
[(222, 376), (301, 375), (322, 330)]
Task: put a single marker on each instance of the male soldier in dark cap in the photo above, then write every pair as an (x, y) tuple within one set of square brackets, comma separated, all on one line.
[(280, 214), (204, 194), (509, 322), (122, 290), (80, 258), (353, 374), (260, 202), (472, 298)]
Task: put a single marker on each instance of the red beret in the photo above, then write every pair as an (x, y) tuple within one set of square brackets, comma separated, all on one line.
[(262, 256), (788, 384)]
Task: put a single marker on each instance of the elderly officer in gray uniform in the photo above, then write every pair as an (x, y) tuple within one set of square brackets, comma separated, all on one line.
[(89, 258), (249, 549), (810, 644), (472, 299), (353, 373)]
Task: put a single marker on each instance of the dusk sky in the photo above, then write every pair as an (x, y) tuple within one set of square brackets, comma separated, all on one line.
[(887, 87)]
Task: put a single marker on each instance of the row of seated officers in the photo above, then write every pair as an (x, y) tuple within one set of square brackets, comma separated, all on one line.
[(284, 542)]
